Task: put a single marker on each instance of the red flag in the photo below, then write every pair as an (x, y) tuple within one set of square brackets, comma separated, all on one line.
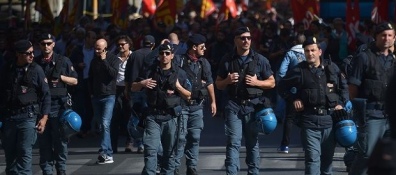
[(268, 4), (148, 7), (43, 7), (352, 22), (207, 8), (305, 11), (380, 11), (228, 7), (167, 10), (120, 13)]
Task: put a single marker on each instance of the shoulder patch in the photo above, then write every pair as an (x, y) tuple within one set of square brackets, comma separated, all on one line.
[(45, 80)]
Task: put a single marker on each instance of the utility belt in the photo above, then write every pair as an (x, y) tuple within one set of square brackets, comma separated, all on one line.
[(252, 101), (318, 111), (375, 106), (160, 115), (195, 102), (30, 111), (172, 112)]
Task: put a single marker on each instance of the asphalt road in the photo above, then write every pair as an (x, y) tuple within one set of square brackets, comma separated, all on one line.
[(83, 154)]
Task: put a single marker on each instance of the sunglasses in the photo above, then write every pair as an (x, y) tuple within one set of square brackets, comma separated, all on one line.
[(46, 44), (166, 53), (27, 53), (245, 38), (121, 44)]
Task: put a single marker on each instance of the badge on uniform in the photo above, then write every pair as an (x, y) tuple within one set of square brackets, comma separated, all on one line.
[(24, 89), (330, 86)]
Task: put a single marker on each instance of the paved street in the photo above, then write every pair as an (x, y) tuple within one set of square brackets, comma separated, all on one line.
[(83, 154)]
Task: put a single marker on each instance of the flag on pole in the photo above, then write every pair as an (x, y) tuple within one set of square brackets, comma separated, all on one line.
[(120, 15), (148, 7), (305, 11), (352, 22), (166, 12), (380, 12), (207, 8), (43, 7)]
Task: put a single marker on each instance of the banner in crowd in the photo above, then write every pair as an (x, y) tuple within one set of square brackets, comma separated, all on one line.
[(207, 8), (380, 11), (148, 7), (305, 11), (120, 15), (352, 22), (167, 10), (44, 8)]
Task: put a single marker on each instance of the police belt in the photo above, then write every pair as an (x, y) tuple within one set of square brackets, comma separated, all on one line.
[(160, 112), (246, 101), (375, 106), (29, 110), (160, 115), (194, 102), (318, 111), (58, 92)]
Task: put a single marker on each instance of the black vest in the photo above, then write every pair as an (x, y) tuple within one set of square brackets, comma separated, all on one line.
[(58, 89), (158, 97), (376, 79), (195, 79), (240, 90), (20, 91), (319, 91)]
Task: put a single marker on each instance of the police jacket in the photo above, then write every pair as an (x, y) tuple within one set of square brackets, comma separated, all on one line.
[(320, 90), (22, 87), (254, 63), (103, 75), (57, 66), (196, 73), (164, 96), (372, 72)]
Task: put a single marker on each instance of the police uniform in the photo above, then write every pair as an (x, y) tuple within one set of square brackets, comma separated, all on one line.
[(320, 89), (164, 109), (134, 66), (243, 101), (371, 73), (22, 89), (56, 153), (199, 73)]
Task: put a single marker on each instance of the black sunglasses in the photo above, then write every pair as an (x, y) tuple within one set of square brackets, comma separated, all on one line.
[(46, 44), (166, 53), (121, 44), (245, 38), (27, 53)]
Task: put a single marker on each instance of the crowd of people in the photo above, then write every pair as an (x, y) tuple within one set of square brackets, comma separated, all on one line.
[(151, 83)]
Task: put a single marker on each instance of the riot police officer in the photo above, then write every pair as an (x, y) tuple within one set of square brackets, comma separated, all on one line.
[(320, 89), (370, 75), (25, 104), (60, 74), (244, 74), (166, 85), (199, 74)]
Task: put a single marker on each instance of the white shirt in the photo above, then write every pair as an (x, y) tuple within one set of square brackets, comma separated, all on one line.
[(121, 71)]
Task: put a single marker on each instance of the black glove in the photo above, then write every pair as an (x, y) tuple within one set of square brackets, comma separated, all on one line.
[(339, 115)]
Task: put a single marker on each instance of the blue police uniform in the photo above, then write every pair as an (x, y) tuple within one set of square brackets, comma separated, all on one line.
[(56, 153), (21, 92), (192, 123), (371, 73), (162, 117), (240, 108)]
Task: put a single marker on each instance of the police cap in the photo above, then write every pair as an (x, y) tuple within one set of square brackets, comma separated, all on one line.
[(22, 46), (165, 47), (241, 30), (382, 27), (309, 40), (197, 39), (46, 36), (148, 40)]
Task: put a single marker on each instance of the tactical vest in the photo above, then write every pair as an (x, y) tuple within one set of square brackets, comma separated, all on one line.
[(199, 91), (319, 91), (376, 79), (241, 90), (158, 98), (20, 91), (57, 89)]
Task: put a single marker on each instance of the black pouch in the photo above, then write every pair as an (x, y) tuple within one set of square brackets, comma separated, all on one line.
[(359, 111), (254, 92), (172, 102), (177, 111)]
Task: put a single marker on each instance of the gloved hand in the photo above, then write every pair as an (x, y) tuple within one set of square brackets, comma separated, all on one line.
[(348, 106), (339, 115)]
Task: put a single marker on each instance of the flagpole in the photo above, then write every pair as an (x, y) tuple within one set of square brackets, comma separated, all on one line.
[(95, 9)]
